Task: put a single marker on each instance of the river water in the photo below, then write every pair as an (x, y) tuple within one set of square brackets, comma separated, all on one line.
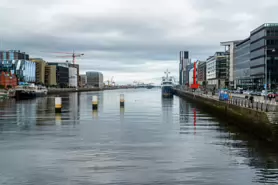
[(150, 141)]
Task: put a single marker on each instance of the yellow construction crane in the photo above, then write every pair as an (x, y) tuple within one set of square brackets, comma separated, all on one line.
[(110, 82)]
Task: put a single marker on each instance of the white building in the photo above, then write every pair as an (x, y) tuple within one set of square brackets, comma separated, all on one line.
[(94, 79), (217, 70), (73, 78), (190, 74), (230, 49)]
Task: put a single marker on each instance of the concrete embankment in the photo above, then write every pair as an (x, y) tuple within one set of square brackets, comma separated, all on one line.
[(256, 118), (66, 90)]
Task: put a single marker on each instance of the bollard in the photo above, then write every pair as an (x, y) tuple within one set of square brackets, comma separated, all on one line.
[(94, 103), (58, 104), (122, 100)]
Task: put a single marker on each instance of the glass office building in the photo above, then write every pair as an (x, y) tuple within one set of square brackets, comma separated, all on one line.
[(263, 58), (25, 70), (62, 73), (13, 55), (94, 79), (242, 64)]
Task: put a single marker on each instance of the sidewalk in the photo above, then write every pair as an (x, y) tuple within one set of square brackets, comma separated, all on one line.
[(239, 101)]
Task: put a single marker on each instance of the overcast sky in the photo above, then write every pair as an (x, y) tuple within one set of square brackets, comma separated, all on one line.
[(129, 39)]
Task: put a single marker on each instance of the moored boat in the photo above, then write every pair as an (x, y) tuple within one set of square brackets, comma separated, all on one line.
[(29, 91), (167, 85)]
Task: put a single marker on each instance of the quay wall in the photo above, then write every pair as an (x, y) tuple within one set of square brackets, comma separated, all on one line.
[(65, 90), (255, 121)]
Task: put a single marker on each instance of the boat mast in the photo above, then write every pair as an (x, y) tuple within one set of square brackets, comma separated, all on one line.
[(167, 72)]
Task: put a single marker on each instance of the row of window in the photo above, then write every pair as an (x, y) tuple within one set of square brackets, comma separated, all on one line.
[(257, 35), (272, 32)]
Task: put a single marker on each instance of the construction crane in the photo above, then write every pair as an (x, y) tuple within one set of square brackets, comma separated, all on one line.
[(112, 81), (108, 82), (72, 55)]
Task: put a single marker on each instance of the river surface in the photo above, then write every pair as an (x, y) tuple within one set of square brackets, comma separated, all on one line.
[(150, 141)]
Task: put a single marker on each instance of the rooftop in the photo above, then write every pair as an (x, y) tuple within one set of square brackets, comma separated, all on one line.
[(264, 26), (226, 43)]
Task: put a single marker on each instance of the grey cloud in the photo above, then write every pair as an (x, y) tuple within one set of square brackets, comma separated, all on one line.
[(126, 42)]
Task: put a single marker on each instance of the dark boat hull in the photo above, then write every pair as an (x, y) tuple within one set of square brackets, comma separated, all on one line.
[(167, 91), (23, 95)]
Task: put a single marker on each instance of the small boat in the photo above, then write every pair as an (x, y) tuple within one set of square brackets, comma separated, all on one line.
[(150, 86), (167, 85), (29, 91)]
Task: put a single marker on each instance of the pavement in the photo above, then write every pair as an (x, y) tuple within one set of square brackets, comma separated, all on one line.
[(260, 99)]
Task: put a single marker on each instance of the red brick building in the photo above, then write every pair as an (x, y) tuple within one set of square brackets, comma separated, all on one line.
[(8, 79)]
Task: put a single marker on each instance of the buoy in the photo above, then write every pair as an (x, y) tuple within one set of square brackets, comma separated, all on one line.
[(58, 104), (94, 103), (122, 100)]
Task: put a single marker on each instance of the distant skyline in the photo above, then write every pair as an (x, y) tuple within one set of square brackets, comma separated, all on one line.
[(131, 40)]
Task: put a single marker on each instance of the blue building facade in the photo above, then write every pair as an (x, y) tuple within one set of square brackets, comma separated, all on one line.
[(25, 70)]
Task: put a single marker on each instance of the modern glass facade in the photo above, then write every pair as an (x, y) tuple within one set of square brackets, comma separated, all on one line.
[(201, 72), (94, 79), (13, 55), (183, 63), (25, 70), (260, 50), (264, 55), (62, 74), (186, 73), (242, 64)]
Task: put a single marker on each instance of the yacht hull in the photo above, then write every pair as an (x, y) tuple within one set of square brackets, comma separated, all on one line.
[(167, 91)]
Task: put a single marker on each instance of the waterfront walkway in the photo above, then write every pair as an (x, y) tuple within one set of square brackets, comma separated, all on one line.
[(258, 104)]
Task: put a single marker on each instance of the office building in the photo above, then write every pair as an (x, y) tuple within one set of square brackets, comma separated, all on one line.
[(40, 70), (183, 55), (13, 55), (77, 68), (230, 47), (242, 76), (217, 71), (50, 75), (264, 55), (201, 73), (73, 77), (257, 58), (62, 74), (25, 70), (186, 71), (83, 80), (94, 79)]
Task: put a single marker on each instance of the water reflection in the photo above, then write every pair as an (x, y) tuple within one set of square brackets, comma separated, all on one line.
[(167, 109), (255, 153), (122, 114), (198, 149), (58, 118), (95, 114), (194, 120)]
